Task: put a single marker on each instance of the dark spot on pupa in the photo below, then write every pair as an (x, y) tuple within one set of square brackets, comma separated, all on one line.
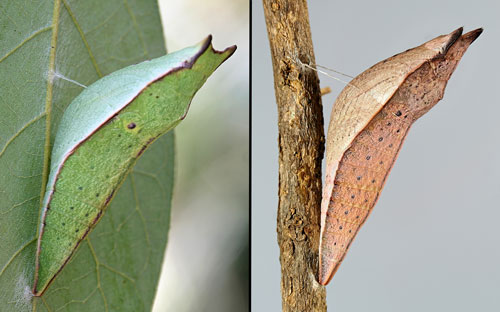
[(373, 181), (398, 113), (129, 146), (335, 244), (150, 94), (87, 214), (76, 231), (366, 200), (350, 231), (406, 116), (340, 227), (390, 145), (380, 139), (119, 135), (380, 162), (131, 125), (368, 157), (63, 224), (346, 212), (358, 178), (352, 196), (157, 97), (398, 130), (357, 217), (389, 124), (80, 188), (97, 195)]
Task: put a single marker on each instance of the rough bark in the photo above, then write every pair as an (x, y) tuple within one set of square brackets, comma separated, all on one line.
[(301, 147)]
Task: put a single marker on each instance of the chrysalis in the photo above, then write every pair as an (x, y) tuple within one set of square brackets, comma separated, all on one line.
[(102, 134), (369, 122)]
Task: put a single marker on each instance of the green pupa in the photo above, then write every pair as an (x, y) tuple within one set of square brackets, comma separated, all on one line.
[(100, 137)]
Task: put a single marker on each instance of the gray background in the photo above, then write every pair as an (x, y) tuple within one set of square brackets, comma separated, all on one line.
[(432, 241)]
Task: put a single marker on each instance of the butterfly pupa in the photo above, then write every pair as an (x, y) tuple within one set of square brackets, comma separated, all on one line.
[(368, 124), (100, 137)]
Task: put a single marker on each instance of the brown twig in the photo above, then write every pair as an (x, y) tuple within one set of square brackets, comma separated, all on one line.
[(301, 147)]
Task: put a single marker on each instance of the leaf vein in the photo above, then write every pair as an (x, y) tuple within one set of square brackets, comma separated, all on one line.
[(33, 35), (143, 220), (136, 26), (125, 276), (19, 204), (16, 254), (97, 264), (84, 39), (29, 123)]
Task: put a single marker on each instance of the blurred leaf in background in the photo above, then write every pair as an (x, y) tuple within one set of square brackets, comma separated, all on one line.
[(207, 257)]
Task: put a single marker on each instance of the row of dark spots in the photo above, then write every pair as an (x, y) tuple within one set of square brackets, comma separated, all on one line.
[(64, 224), (119, 135), (151, 94), (368, 157), (72, 208), (340, 228), (96, 195), (329, 213), (347, 212)]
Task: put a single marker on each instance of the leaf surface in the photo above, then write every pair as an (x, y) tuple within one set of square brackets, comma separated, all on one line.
[(45, 44)]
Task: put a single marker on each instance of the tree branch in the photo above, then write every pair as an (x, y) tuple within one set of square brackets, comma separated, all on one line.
[(301, 147)]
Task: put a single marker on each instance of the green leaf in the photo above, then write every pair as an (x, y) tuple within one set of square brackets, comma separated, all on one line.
[(44, 44)]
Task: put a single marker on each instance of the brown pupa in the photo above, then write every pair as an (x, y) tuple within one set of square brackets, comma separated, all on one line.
[(368, 124)]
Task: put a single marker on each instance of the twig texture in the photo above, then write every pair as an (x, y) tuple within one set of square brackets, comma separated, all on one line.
[(301, 146)]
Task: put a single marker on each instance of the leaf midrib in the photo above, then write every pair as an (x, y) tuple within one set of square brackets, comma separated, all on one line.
[(48, 114), (48, 102)]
